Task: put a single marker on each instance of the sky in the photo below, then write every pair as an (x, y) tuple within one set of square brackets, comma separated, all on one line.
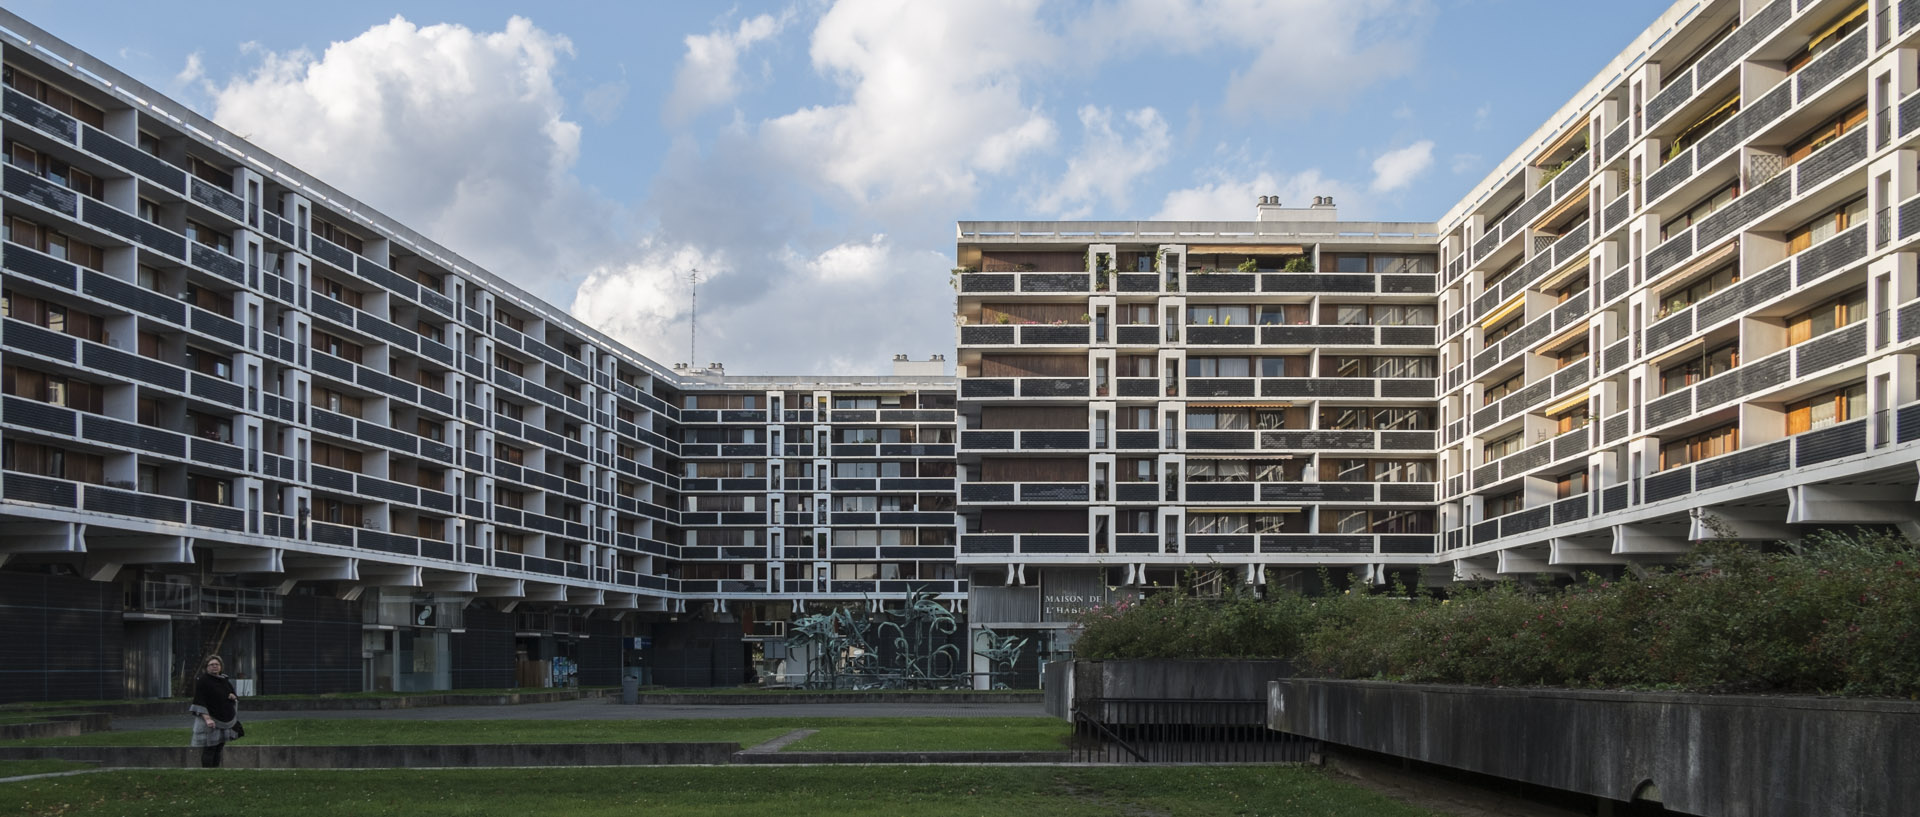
[(810, 157)]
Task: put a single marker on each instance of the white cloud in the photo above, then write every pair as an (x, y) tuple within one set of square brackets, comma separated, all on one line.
[(603, 101), (934, 98), (1305, 52), (1108, 162), (1234, 198), (1397, 168), (192, 72), (709, 73), (459, 134), (1482, 115), (843, 310), (1465, 162)]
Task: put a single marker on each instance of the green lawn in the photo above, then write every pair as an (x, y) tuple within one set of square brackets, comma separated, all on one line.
[(16, 768), (836, 734), (723, 691), (825, 791)]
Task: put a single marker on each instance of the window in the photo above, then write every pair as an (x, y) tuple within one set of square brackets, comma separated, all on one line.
[(1826, 132), (1571, 353), (514, 322), (331, 232), (1494, 335), (1213, 314), (337, 291), (1829, 35), (52, 242), (202, 234), (52, 96), (1715, 117), (509, 365), (1503, 504), (47, 461), (1713, 443), (1379, 521), (1376, 417), (1684, 373), (1286, 366), (1698, 289), (323, 342), (1570, 484), (52, 388), (1503, 388), (335, 456), (1571, 419), (1501, 447), (1827, 225), (1825, 409), (1705, 207), (1827, 317), (1378, 315), (1219, 367)]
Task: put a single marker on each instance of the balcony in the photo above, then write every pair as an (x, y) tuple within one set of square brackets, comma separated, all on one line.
[(974, 493)]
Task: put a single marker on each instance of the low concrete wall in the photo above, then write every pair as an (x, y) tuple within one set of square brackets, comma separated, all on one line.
[(944, 758), (178, 706), (241, 756), (1700, 754), (759, 698), (58, 726), (1223, 679)]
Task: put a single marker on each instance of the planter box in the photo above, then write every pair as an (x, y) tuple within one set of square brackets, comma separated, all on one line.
[(1696, 754), (1156, 679)]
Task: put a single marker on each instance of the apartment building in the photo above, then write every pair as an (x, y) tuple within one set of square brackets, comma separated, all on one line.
[(246, 414), (1683, 308)]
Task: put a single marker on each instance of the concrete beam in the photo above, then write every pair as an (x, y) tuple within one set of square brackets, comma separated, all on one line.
[(1475, 569), (494, 587), (1650, 540), (314, 568), (1569, 552), (250, 560), (107, 553), (1513, 563), (450, 581), (1851, 504), (1741, 524), (586, 596), (616, 600), (386, 574), (541, 591)]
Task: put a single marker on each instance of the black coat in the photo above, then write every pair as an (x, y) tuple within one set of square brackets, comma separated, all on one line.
[(210, 692)]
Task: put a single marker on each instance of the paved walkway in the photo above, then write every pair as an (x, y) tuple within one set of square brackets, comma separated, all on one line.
[(588, 709)]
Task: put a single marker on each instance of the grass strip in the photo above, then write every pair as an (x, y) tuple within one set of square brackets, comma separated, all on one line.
[(820, 791), (836, 734)]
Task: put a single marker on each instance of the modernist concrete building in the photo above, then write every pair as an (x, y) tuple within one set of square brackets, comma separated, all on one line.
[(1685, 306), (245, 412)]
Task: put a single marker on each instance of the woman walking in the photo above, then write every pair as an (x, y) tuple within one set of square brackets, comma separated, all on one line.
[(216, 711)]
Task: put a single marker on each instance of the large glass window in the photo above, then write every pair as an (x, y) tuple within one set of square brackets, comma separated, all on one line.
[(1684, 373), (1827, 317), (1713, 443), (1827, 408), (1827, 225)]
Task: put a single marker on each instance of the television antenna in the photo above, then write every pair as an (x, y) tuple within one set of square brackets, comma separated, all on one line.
[(693, 317)]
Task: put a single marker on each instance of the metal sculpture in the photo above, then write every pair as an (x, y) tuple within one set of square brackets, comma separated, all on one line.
[(847, 647)]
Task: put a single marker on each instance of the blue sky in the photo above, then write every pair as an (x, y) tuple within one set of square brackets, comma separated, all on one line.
[(810, 157)]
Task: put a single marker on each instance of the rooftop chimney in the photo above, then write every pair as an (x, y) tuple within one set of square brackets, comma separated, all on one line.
[(906, 366), (1268, 209)]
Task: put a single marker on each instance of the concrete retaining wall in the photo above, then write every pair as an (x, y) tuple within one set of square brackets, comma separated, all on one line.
[(57, 726), (241, 756), (178, 706), (756, 698), (865, 758), (1160, 679), (1696, 754)]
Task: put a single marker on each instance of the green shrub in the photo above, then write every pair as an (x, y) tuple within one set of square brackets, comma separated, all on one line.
[(1835, 613)]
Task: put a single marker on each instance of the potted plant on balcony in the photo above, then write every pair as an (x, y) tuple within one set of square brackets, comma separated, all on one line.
[(1003, 318), (1299, 263), (1250, 265), (1086, 318)]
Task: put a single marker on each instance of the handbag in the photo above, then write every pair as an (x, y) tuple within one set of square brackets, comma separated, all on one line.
[(239, 730)]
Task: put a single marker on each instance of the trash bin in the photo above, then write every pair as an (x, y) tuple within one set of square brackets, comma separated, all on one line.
[(630, 685)]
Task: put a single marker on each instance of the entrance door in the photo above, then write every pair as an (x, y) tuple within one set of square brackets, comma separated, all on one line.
[(149, 658)]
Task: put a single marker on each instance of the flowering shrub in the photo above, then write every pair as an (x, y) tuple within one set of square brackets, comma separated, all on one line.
[(1835, 613)]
